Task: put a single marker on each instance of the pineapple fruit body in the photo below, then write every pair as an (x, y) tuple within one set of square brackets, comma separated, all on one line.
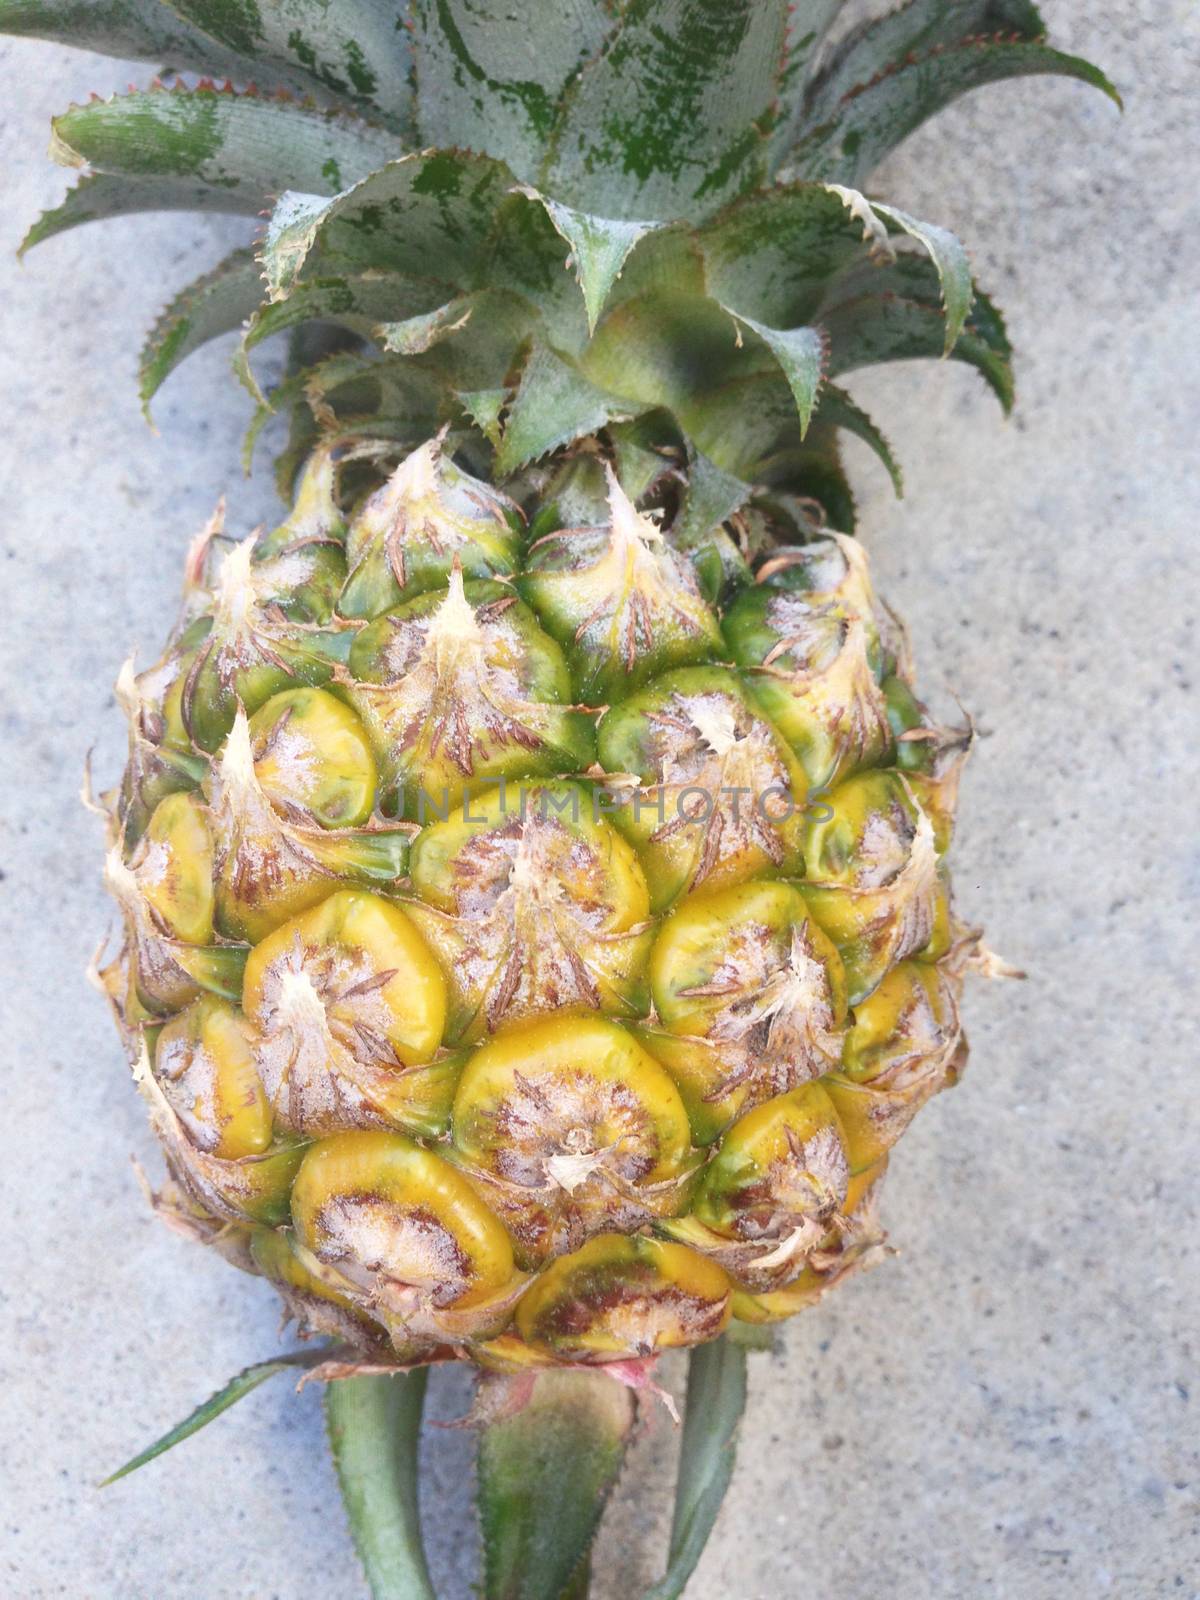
[(531, 954)]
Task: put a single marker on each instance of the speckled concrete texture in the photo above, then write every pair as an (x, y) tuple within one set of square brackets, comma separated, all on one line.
[(1009, 1408)]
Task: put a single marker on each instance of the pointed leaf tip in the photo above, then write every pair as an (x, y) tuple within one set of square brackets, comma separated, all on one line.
[(415, 335), (553, 405), (600, 247), (850, 138), (944, 249), (236, 1389), (290, 236), (838, 408), (803, 354), (953, 268)]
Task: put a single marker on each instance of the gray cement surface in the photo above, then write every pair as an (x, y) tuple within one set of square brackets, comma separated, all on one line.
[(1009, 1409)]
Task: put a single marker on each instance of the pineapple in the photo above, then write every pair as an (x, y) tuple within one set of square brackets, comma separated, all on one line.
[(531, 856)]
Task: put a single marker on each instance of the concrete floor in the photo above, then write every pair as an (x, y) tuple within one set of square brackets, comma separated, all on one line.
[(1008, 1409)]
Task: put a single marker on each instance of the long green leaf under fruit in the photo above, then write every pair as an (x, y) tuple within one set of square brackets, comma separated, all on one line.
[(236, 1389), (374, 1428), (716, 1398), (547, 1462)]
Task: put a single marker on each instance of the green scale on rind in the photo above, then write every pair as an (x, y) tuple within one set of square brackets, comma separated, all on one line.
[(630, 152)]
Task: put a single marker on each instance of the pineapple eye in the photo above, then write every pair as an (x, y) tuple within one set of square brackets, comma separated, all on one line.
[(905, 1045), (812, 671), (311, 754), (624, 1296), (204, 1063), (345, 997), (780, 1174), (275, 1256), (720, 797), (248, 646), (460, 687), (408, 535), (911, 1014), (274, 861), (865, 843), (571, 1129), (872, 880), (620, 600), (173, 865), (534, 903), (753, 993), (315, 1295), (405, 1234), (214, 1115), (856, 1241)]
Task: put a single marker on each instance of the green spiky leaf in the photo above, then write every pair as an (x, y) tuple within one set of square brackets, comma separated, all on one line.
[(630, 114), (290, 236), (236, 1389), (134, 30), (774, 254), (484, 407), (430, 210), (357, 50), (809, 26), (546, 1468), (554, 404), (779, 256), (492, 78), (374, 1426), (599, 247), (876, 45), (838, 408), (216, 303), (944, 250), (953, 268), (95, 198), (712, 497), (880, 328), (416, 334), (671, 118), (356, 304), (643, 454), (801, 354), (241, 147), (870, 121), (716, 1398)]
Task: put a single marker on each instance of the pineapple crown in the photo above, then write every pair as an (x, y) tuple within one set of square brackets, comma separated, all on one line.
[(533, 222)]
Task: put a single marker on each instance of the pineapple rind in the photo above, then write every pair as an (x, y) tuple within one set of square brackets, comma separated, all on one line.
[(556, 1074)]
